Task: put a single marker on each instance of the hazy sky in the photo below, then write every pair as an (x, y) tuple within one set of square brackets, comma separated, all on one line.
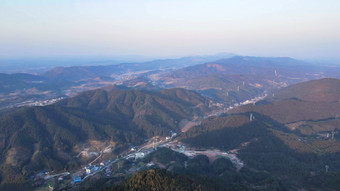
[(296, 28)]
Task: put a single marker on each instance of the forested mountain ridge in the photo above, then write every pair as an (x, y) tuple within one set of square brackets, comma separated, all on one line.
[(314, 100), (44, 137), (323, 90), (157, 179), (293, 135)]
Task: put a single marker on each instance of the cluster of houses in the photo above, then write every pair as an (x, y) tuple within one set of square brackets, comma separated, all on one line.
[(46, 102), (89, 169), (326, 135)]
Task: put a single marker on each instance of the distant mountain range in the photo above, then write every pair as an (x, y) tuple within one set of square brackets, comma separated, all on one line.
[(244, 65), (20, 89), (77, 73), (239, 78), (229, 80), (9, 83)]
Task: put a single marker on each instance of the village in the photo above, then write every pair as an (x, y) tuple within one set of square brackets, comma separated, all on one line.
[(50, 181)]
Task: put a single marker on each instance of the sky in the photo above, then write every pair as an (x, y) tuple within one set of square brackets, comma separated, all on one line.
[(168, 28)]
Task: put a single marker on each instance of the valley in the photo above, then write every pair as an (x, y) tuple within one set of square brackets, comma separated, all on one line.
[(212, 113), (104, 167)]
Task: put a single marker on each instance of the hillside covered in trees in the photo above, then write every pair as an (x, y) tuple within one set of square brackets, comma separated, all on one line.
[(292, 135), (45, 137), (174, 172), (156, 179)]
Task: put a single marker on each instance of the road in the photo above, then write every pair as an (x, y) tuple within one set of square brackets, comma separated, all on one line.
[(101, 153), (55, 175)]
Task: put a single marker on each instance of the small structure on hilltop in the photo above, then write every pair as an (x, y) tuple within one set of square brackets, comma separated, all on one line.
[(251, 117)]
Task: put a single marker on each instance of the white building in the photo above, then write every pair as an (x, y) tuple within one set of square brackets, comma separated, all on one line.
[(139, 155)]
